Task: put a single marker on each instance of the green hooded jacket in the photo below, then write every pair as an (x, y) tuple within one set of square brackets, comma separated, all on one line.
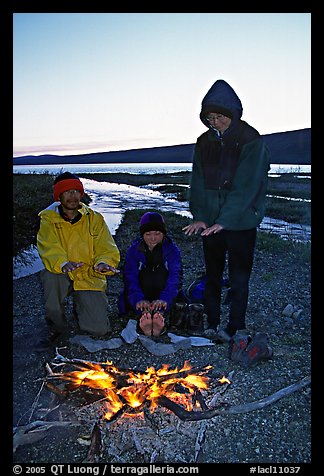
[(240, 156)]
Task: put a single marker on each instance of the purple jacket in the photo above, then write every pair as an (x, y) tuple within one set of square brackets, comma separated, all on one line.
[(135, 259)]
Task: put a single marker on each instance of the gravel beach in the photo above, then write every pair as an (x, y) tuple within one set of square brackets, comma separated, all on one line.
[(278, 432)]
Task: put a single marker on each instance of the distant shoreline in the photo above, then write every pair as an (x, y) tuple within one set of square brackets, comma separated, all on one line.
[(292, 147)]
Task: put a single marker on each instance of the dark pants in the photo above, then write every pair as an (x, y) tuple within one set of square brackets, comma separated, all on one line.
[(238, 247), (153, 281)]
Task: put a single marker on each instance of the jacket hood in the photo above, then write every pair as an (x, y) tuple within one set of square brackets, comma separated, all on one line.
[(221, 98), (53, 212)]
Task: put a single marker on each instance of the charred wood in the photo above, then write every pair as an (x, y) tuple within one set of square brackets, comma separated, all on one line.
[(95, 445), (231, 410)]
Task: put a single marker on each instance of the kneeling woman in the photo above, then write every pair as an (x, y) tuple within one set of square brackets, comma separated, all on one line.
[(152, 275)]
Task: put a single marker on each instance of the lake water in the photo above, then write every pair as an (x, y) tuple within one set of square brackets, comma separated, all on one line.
[(113, 199), (149, 168)]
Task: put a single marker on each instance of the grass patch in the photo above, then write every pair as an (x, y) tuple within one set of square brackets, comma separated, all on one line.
[(33, 192), (288, 210), (270, 242)]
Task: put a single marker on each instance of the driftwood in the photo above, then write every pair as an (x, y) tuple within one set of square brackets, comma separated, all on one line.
[(95, 445), (200, 441), (60, 360), (221, 390), (231, 410), (39, 424), (55, 389), (35, 431)]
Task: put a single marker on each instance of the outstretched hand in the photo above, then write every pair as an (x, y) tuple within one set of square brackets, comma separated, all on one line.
[(194, 227), (105, 268), (143, 305), (71, 266), (212, 230), (158, 305)]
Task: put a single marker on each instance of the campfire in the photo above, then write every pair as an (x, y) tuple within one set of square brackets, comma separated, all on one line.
[(159, 409), (124, 391)]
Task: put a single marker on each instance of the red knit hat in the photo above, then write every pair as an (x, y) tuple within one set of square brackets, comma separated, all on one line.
[(64, 182)]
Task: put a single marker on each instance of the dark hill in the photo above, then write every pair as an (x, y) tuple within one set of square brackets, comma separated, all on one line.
[(292, 147)]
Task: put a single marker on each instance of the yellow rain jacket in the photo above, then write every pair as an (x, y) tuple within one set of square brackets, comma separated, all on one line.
[(89, 240)]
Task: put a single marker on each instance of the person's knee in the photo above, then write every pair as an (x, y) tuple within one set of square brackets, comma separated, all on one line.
[(91, 308), (99, 330)]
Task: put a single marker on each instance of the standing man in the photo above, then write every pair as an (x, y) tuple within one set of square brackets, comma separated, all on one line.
[(227, 200), (78, 252)]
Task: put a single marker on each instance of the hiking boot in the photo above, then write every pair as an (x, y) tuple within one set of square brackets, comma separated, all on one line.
[(195, 320), (210, 333), (178, 317), (238, 344), (47, 341), (257, 350), (223, 336)]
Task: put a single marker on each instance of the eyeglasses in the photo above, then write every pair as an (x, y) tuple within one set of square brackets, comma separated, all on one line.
[(214, 117)]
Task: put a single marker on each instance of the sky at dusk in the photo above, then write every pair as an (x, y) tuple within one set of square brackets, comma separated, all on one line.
[(94, 82)]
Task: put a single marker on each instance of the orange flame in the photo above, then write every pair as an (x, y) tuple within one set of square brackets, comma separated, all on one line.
[(126, 388)]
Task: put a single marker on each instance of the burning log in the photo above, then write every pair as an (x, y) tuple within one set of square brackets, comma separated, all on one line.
[(231, 410), (176, 390), (222, 389), (185, 373), (87, 364), (123, 374), (184, 414), (200, 399), (120, 387)]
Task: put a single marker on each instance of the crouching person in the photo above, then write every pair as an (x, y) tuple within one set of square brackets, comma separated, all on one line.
[(78, 252), (152, 276)]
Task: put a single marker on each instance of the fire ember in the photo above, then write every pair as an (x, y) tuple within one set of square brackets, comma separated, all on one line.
[(102, 393), (126, 391)]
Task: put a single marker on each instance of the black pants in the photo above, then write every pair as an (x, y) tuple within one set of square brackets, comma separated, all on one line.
[(238, 247), (153, 281)]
